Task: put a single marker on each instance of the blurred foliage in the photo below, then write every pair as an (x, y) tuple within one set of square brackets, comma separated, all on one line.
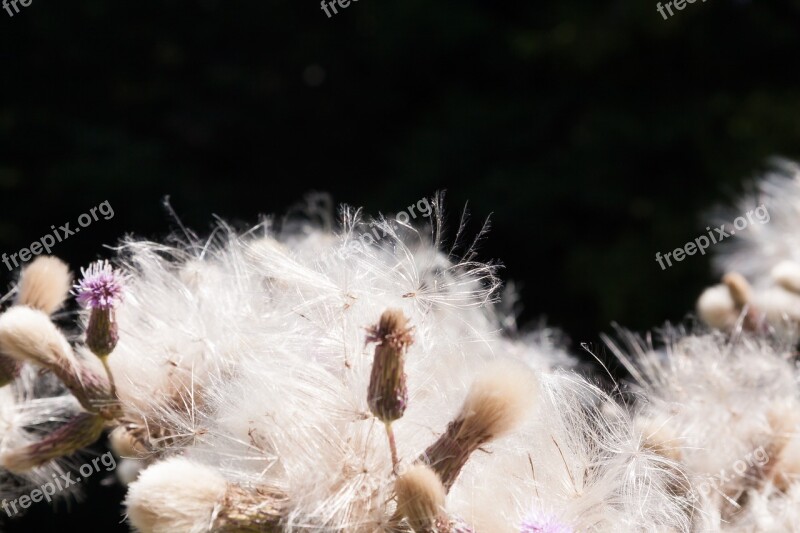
[(595, 133)]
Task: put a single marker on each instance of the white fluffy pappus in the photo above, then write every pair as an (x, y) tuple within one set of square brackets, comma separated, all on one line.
[(577, 464), (725, 407), (246, 353), (44, 284), (765, 255), (197, 310), (175, 495), (766, 242)]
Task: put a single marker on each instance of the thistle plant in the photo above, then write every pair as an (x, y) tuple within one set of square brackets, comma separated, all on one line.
[(232, 377), (29, 337)]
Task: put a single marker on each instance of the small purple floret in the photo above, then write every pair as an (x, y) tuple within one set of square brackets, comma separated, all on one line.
[(541, 523), (100, 287)]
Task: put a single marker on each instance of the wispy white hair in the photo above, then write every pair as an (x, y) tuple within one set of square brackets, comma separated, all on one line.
[(757, 250), (725, 407), (246, 354)]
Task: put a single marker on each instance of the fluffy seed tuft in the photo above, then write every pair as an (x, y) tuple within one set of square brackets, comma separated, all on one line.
[(44, 284), (28, 334), (175, 495), (420, 497)]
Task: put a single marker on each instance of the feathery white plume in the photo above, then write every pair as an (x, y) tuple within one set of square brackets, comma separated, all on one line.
[(44, 284), (727, 409)]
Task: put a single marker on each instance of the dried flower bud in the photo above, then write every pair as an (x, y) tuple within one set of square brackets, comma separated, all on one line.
[(420, 498), (81, 431), (495, 404), (180, 495), (44, 284), (388, 393)]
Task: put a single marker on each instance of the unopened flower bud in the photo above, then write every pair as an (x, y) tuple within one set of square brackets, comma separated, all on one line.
[(102, 333), (388, 393)]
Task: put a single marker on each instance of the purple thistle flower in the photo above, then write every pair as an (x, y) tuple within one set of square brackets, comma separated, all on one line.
[(542, 523), (100, 287)]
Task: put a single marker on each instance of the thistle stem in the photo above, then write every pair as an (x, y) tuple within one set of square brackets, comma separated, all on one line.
[(104, 360), (392, 447)]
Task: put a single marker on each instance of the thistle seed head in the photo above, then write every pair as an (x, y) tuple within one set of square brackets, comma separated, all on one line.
[(44, 284), (496, 403), (420, 497)]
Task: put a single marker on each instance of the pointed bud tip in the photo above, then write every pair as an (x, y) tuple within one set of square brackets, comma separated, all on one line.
[(392, 328)]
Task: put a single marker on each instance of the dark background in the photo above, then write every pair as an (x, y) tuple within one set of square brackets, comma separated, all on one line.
[(594, 133)]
